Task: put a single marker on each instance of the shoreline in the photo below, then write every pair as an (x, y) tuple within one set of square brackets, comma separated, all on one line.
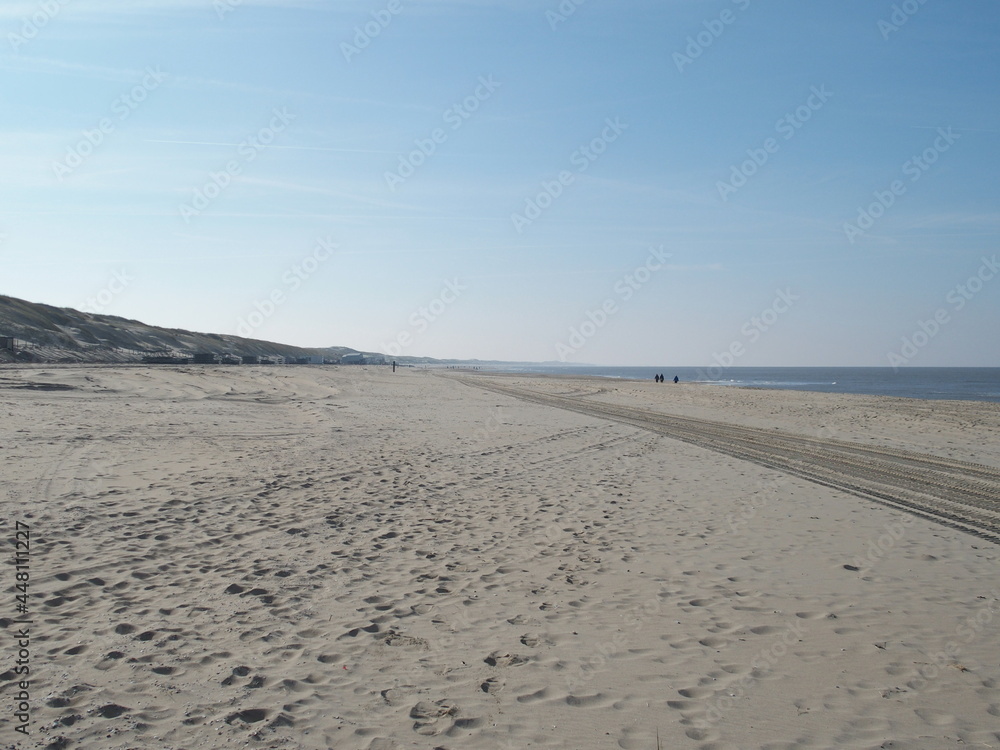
[(716, 384), (991, 398)]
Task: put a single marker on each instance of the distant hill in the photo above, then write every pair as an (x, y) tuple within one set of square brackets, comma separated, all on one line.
[(61, 334)]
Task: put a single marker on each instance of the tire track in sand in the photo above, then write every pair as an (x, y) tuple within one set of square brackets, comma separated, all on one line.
[(961, 495)]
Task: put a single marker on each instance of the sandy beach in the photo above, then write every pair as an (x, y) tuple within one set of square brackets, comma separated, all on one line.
[(343, 557)]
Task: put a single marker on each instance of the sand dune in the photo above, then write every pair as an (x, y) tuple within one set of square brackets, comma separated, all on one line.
[(347, 558)]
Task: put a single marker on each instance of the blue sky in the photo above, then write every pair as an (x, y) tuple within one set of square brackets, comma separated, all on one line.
[(681, 182)]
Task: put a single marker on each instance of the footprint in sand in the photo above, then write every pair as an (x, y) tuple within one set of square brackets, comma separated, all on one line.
[(504, 659), (399, 640), (713, 642), (765, 630), (696, 693), (810, 615), (734, 668), (872, 725), (428, 716), (703, 735), (934, 717), (248, 716), (111, 711), (637, 739), (586, 701), (538, 695), (522, 620), (492, 686), (109, 660)]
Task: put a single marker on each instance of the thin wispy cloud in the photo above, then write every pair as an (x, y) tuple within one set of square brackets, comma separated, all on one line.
[(126, 10), (288, 148), (293, 187), (51, 66), (122, 9)]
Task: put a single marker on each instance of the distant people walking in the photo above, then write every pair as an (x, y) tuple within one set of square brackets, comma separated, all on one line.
[(676, 379), (657, 377)]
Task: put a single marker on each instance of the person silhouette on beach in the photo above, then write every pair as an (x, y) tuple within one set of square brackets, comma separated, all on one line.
[(676, 379)]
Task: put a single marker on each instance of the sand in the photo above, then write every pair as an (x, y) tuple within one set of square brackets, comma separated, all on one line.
[(321, 557)]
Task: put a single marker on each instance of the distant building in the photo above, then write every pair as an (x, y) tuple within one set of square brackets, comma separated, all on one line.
[(251, 359), (9, 343), (164, 359), (205, 358), (352, 359)]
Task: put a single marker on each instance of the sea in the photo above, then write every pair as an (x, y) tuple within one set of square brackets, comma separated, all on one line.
[(957, 383)]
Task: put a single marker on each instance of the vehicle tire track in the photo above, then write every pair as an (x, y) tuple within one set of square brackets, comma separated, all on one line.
[(962, 495)]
